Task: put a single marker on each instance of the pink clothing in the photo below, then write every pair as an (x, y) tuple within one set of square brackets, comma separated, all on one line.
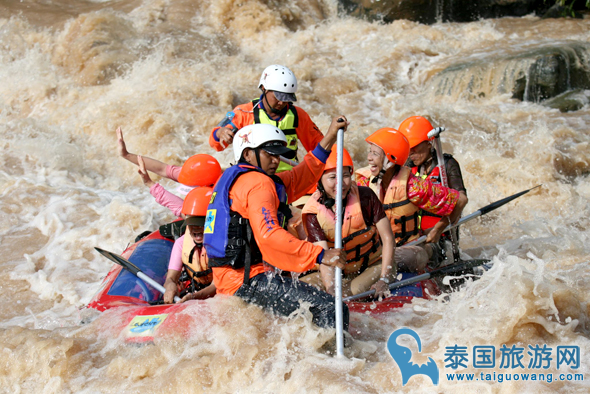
[(176, 255), (167, 199), (173, 172), (431, 197)]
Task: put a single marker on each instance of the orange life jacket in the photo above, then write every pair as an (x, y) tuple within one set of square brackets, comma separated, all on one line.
[(402, 214), (195, 260), (361, 242)]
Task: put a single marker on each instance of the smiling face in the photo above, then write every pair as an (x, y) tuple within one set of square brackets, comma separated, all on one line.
[(196, 233), (329, 181), (375, 157), (268, 162), (420, 153)]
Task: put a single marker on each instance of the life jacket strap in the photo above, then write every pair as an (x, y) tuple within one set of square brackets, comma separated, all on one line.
[(396, 204), (404, 234)]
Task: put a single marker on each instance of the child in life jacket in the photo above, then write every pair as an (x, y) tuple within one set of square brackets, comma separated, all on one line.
[(197, 170), (366, 234), (189, 274), (403, 194)]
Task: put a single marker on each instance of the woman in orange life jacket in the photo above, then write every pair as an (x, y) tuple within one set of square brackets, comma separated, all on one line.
[(197, 170), (424, 164), (364, 222), (403, 195), (189, 254)]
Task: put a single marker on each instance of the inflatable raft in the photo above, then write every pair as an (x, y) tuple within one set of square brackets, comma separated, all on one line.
[(141, 314)]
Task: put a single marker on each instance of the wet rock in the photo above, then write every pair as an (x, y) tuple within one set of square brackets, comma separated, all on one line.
[(535, 75), (431, 11), (569, 101)]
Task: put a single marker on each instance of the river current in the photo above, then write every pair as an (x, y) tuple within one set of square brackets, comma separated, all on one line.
[(167, 72)]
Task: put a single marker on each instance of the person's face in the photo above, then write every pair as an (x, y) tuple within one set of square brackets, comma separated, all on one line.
[(196, 233), (268, 162), (375, 158), (330, 182), (273, 101), (420, 153)]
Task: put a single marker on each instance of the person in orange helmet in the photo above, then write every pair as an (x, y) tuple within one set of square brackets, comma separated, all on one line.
[(189, 257), (403, 195), (245, 232), (274, 106), (366, 233), (423, 161), (197, 170)]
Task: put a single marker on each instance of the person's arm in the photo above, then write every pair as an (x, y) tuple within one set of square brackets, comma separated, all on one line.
[(388, 265), (171, 286), (255, 195), (437, 199), (454, 175), (153, 165), (202, 294), (308, 133), (298, 180), (167, 199), (222, 136)]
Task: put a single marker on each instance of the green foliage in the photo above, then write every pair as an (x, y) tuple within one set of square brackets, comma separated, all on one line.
[(568, 9)]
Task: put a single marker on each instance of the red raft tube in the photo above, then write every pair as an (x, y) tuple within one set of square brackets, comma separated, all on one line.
[(141, 316)]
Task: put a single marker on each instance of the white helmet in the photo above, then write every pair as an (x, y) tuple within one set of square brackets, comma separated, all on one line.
[(266, 136), (279, 79)]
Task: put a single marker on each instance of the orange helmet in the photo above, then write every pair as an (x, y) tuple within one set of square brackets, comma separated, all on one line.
[(200, 170), (394, 144), (416, 129), (346, 160), (196, 202)]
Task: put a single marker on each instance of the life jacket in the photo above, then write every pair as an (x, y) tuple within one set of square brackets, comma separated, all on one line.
[(195, 261), (361, 242), (426, 219), (402, 214), (363, 177), (229, 239), (288, 124)]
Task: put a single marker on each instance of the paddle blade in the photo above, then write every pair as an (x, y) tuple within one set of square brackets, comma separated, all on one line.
[(503, 201), (115, 258)]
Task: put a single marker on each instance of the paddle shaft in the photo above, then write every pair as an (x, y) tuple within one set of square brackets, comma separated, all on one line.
[(482, 211), (444, 180), (132, 268), (479, 212), (433, 274), (338, 245)]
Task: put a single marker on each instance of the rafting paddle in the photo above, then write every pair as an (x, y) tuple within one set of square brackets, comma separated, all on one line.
[(444, 180), (449, 269), (338, 244), (478, 213), (445, 270), (129, 266)]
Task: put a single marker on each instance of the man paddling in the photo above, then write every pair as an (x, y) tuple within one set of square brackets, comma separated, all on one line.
[(424, 164), (275, 107), (245, 225)]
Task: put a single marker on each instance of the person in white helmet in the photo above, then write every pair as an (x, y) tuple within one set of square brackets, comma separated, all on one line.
[(275, 107), (245, 225)]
